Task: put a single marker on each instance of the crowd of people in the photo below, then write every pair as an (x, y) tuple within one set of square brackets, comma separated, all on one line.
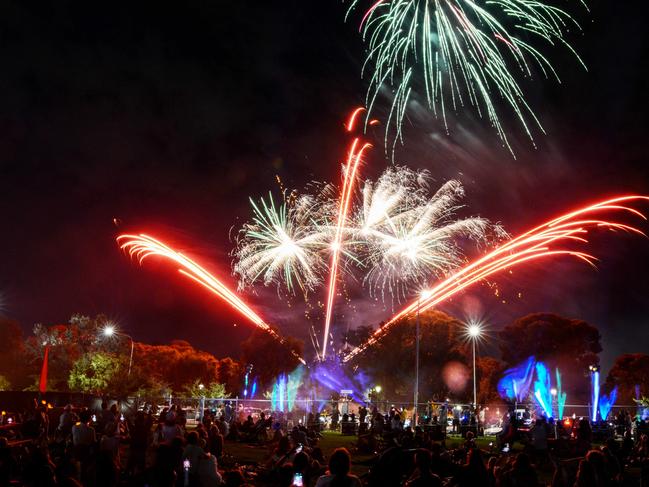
[(157, 448)]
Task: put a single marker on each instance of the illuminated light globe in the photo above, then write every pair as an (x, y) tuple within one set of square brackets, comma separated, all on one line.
[(474, 330), (109, 330)]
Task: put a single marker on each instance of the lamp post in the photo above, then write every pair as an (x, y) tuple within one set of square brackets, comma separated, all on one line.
[(416, 398), (110, 331), (474, 332), (415, 415)]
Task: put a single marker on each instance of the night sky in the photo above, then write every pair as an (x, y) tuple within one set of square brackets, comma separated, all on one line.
[(165, 117)]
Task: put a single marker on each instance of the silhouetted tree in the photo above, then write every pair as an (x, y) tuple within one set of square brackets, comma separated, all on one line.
[(391, 361), (490, 371), (357, 336), (269, 357), (570, 344), (629, 370), (230, 373), (13, 366)]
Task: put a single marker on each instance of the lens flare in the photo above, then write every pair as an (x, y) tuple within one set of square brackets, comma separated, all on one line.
[(143, 246), (539, 243)]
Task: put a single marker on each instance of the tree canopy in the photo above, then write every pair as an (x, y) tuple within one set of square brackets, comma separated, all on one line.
[(272, 357), (570, 344), (95, 373), (628, 371), (391, 361)]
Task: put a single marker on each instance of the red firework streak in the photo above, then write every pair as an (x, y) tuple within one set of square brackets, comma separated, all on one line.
[(354, 157), (142, 246), (544, 241)]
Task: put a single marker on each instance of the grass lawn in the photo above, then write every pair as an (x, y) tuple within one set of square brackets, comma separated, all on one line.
[(253, 454), (250, 454)]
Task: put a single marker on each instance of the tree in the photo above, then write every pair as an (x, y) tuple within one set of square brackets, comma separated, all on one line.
[(153, 389), (68, 343), (5, 385), (13, 365), (391, 361), (358, 336), (490, 371), (178, 364), (230, 373), (628, 371), (95, 373), (570, 344), (210, 391), (270, 357)]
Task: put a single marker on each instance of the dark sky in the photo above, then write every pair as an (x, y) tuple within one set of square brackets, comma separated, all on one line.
[(167, 116)]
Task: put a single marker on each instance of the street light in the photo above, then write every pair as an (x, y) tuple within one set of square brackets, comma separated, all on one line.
[(554, 392), (474, 332), (109, 331), (422, 295)]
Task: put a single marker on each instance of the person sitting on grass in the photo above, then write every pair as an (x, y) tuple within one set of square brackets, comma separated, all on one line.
[(193, 452), (280, 454), (424, 476), (340, 464)]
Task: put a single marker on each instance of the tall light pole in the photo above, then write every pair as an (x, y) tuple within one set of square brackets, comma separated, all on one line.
[(553, 393), (474, 331), (416, 398), (422, 295), (110, 331), (415, 415)]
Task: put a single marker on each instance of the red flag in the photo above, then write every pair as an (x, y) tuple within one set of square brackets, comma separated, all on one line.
[(42, 386)]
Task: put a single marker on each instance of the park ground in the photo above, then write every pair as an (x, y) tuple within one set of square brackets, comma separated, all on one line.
[(250, 455)]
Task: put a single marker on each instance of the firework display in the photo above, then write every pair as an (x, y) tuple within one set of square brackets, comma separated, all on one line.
[(405, 238), (397, 238), (462, 52), (282, 244), (354, 159), (539, 243), (325, 244), (143, 246)]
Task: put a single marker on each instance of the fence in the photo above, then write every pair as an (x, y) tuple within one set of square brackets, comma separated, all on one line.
[(299, 409)]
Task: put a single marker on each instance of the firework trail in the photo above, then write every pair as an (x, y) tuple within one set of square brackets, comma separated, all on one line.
[(541, 242), (463, 49), (406, 237), (354, 158), (142, 246)]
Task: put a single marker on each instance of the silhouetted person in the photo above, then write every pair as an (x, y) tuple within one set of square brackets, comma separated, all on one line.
[(424, 476)]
